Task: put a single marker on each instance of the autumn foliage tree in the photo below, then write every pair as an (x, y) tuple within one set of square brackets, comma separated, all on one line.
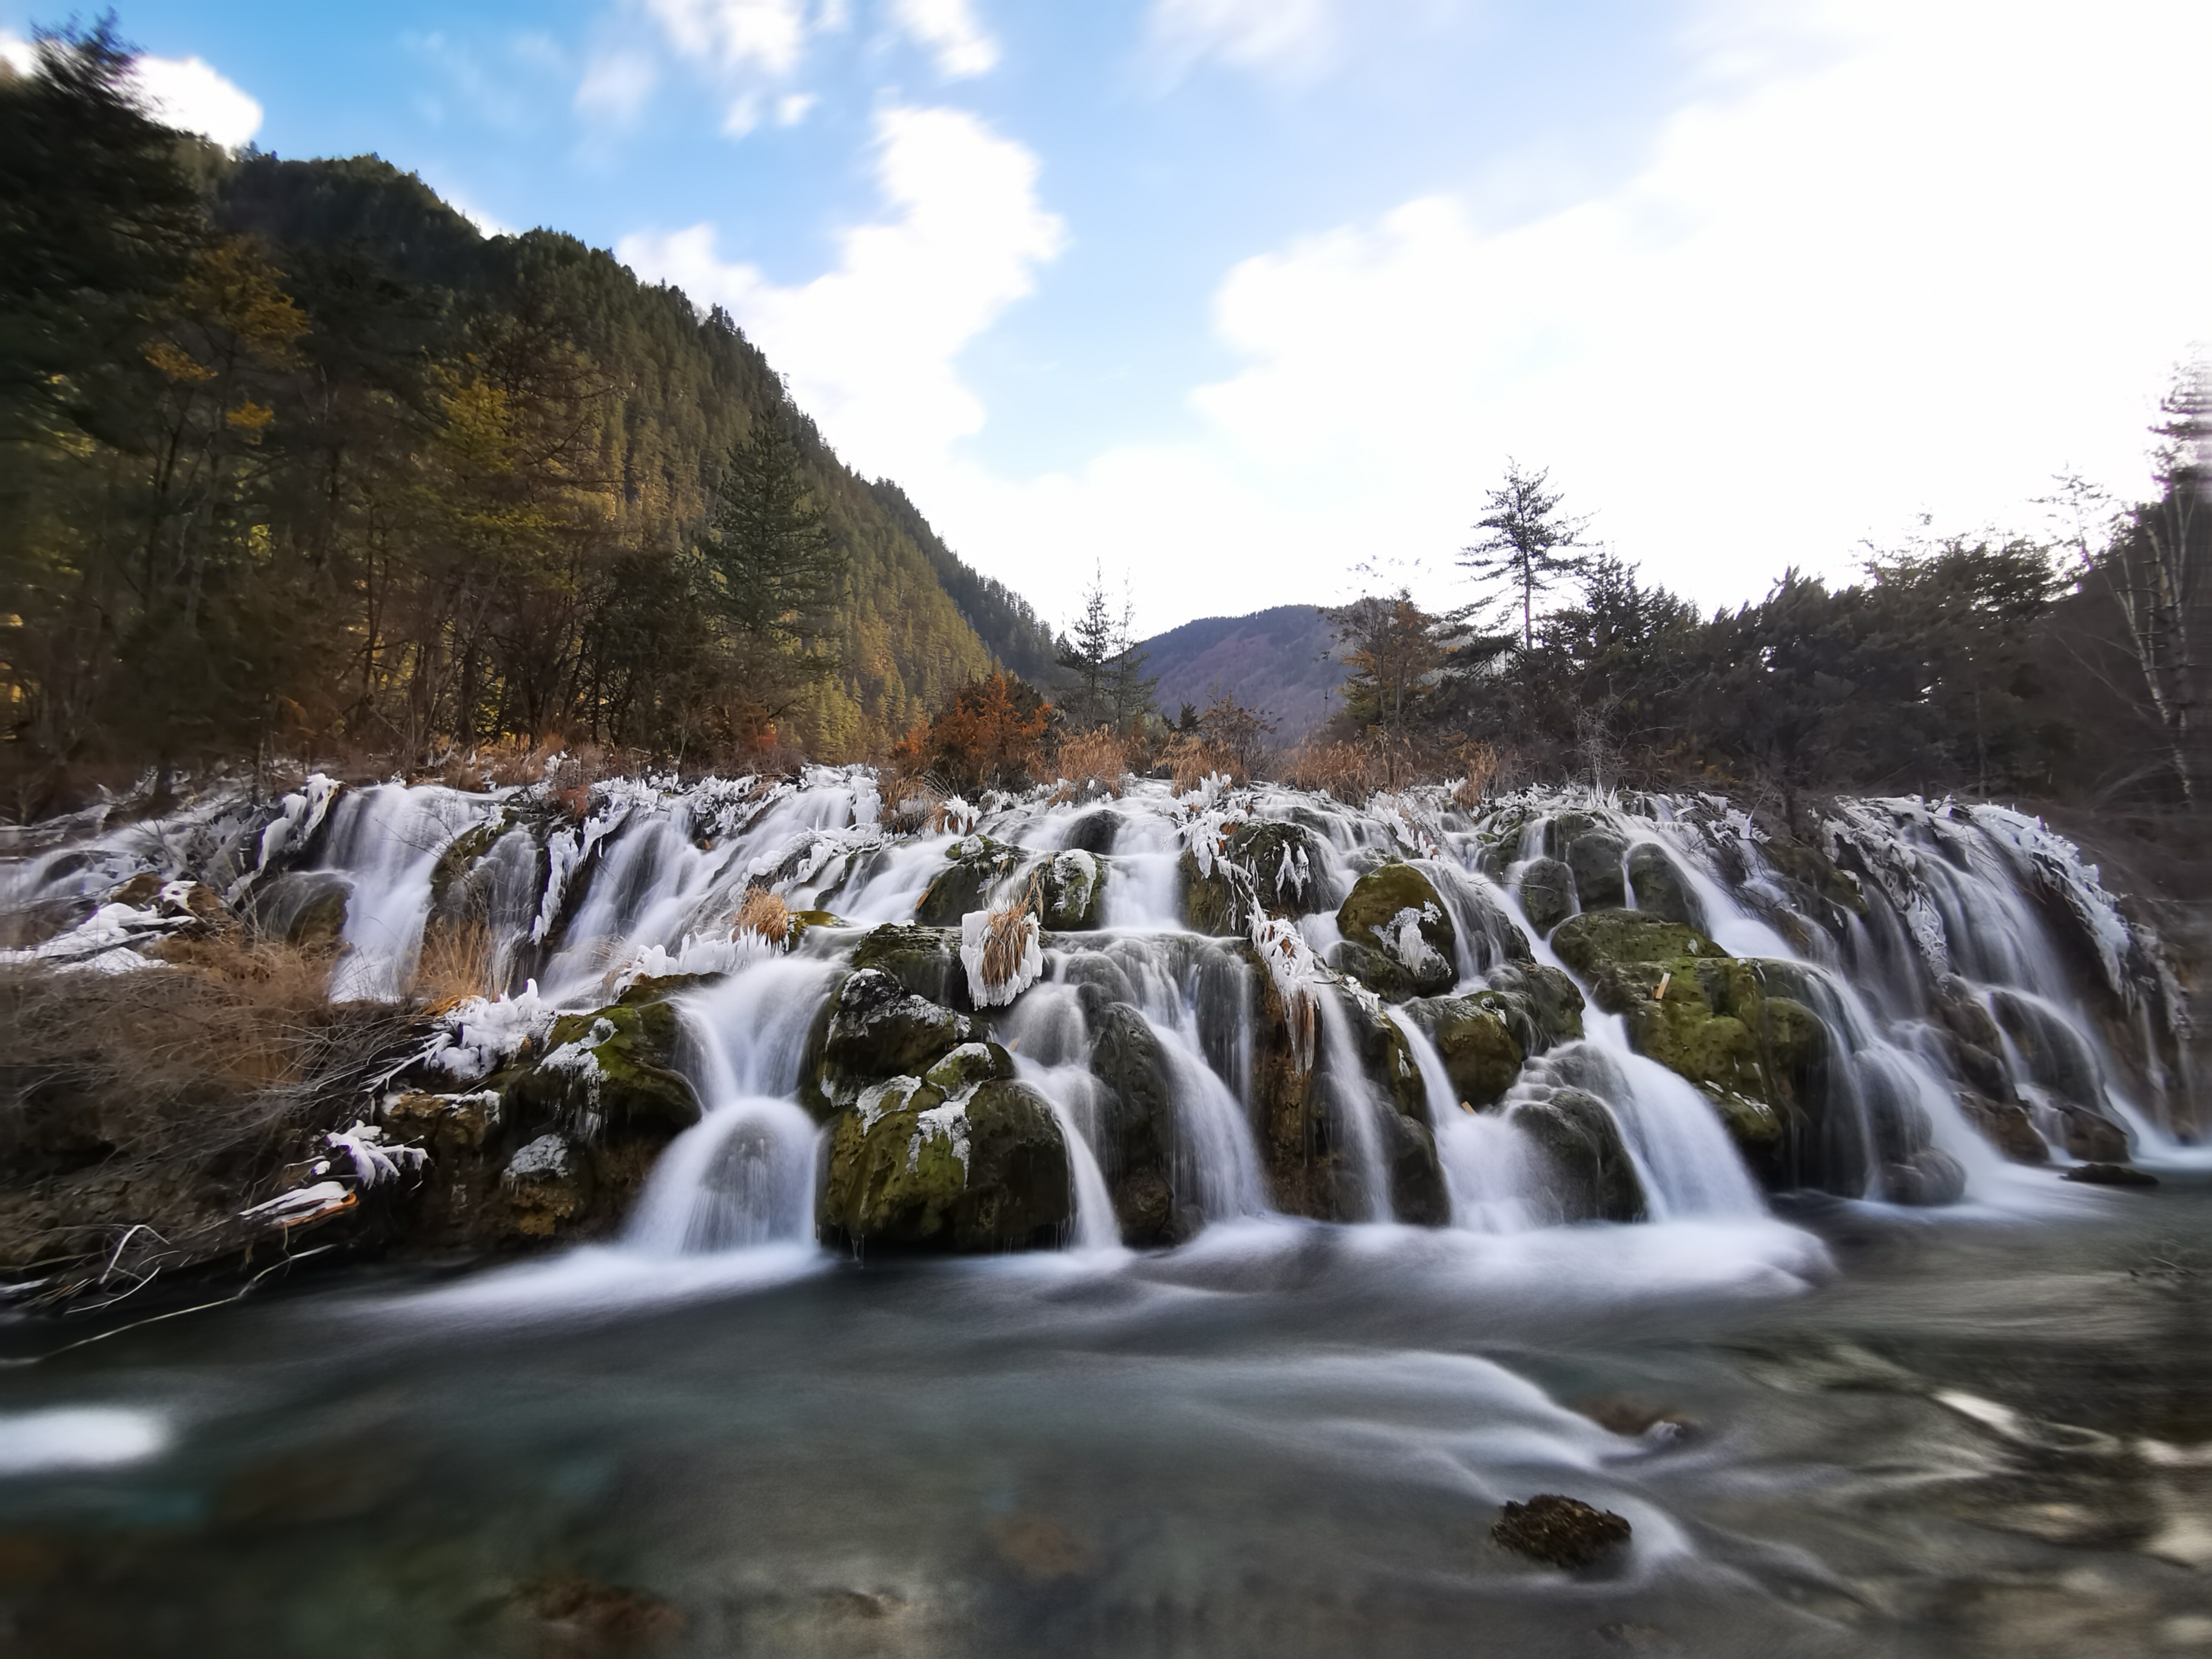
[(990, 736)]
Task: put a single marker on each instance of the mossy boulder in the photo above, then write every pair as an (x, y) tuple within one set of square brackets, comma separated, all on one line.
[(1594, 857), (610, 1071), (1479, 1050), (925, 961), (1660, 887), (1073, 891), (975, 864), (1590, 1173), (968, 1066), (1283, 863), (911, 1169), (1711, 1018), (880, 1030), (1394, 910)]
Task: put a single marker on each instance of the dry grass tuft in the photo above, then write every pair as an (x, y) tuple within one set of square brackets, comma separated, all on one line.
[(1484, 765), (459, 960), (1006, 935), (763, 912), (1099, 756), (1191, 760)]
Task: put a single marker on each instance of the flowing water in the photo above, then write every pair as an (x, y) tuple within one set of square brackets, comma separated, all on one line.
[(1838, 1425)]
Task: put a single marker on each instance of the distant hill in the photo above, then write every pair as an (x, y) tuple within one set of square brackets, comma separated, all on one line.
[(1281, 661)]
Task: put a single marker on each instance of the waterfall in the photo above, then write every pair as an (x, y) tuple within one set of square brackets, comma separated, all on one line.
[(1205, 1040), (1486, 1160)]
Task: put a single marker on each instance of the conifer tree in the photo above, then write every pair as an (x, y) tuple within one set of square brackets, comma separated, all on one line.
[(773, 565), (1530, 546)]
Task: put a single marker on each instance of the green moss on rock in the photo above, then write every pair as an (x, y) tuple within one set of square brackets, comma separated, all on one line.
[(1393, 910), (912, 1170)]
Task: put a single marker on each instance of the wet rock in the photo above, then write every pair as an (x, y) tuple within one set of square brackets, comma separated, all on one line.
[(2092, 1136), (2110, 1175), (1073, 890), (1394, 910), (1136, 1128), (611, 1071), (880, 1030), (305, 909), (1385, 975), (1931, 1177), (547, 1185), (1480, 1052), (1623, 1415), (1591, 1174), (925, 961), (1660, 888), (1547, 892), (910, 1168), (2007, 1126), (1094, 832), (1594, 857), (581, 1616), (1419, 1195), (970, 1064), (1560, 1532), (976, 863), (446, 1124), (1539, 1005)]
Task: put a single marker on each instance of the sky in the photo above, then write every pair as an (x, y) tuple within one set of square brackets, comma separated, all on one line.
[(1248, 303)]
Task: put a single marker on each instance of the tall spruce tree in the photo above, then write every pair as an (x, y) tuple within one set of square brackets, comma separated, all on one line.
[(773, 566), (1530, 544)]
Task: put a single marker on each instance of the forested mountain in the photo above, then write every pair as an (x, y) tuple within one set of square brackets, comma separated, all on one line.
[(1282, 662), (296, 460)]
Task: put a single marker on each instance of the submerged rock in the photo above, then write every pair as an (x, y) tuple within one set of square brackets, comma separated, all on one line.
[(2110, 1175), (1591, 1174), (1560, 1532), (1136, 1129), (1394, 912), (913, 1168)]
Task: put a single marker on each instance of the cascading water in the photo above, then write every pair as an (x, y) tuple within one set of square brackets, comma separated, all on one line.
[(1236, 1003)]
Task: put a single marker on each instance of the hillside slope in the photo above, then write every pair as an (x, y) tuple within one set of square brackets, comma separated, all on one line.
[(679, 390), (1279, 661)]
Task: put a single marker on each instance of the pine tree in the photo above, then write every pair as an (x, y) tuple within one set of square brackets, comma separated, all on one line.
[(773, 566), (1530, 546)]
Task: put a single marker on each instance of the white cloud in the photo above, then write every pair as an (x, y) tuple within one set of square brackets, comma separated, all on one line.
[(791, 109), (764, 36), (949, 29), (1293, 37), (870, 346), (616, 86), (187, 93), (1921, 269)]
